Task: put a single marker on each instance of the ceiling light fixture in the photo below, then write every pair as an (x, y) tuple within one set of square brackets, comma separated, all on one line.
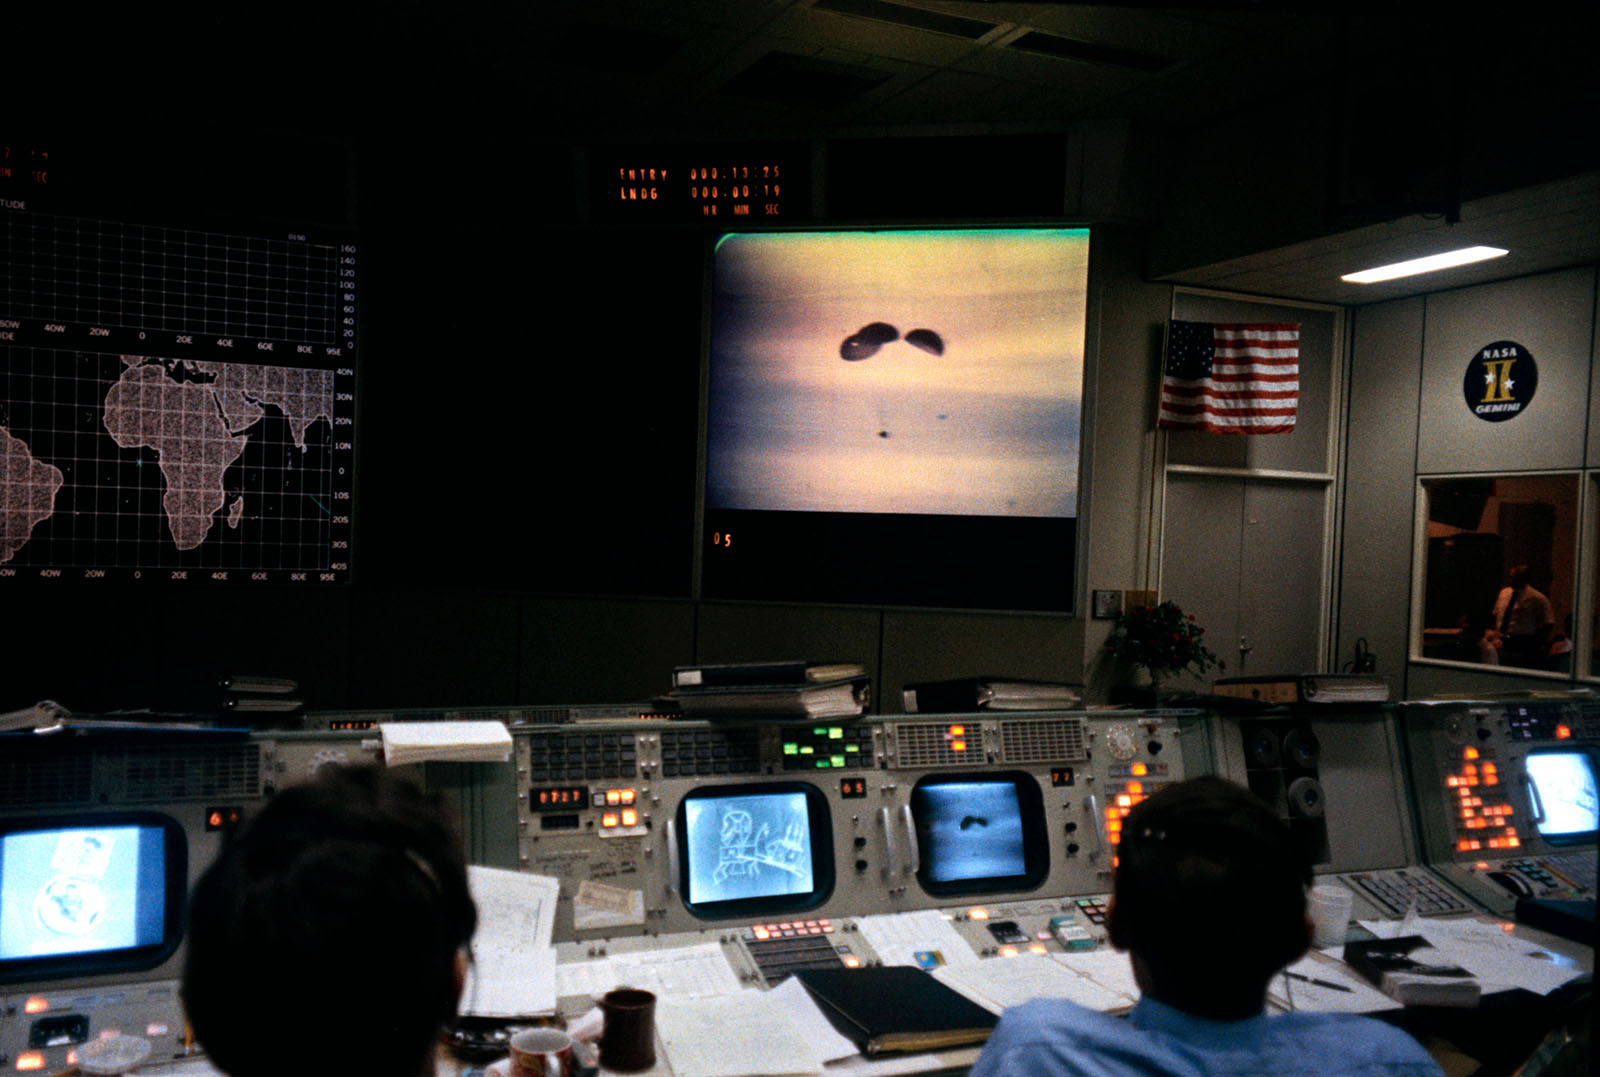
[(1447, 260)]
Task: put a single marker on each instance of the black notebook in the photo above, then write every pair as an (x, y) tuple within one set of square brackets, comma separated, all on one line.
[(896, 1008)]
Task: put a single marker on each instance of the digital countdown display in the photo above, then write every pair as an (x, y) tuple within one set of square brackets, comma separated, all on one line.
[(723, 185)]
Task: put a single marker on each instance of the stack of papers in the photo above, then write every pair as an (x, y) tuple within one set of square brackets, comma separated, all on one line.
[(445, 742)]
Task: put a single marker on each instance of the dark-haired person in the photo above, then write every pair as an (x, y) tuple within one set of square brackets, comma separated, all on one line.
[(330, 936), (1209, 901)]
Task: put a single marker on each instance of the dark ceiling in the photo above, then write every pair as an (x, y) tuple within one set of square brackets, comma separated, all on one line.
[(1425, 118)]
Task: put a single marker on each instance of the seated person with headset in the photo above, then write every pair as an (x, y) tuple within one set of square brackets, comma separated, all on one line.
[(1209, 900), (341, 910)]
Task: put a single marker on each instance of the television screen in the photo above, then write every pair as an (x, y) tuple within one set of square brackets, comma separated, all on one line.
[(1562, 783), (980, 835), (89, 895), (893, 417), (756, 848)]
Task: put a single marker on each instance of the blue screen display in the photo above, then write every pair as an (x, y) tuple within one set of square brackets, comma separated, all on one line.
[(81, 890), (754, 846), (1565, 785), (971, 830)]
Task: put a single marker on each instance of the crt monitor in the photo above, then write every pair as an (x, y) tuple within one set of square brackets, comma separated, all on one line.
[(1562, 789), (979, 834), (90, 894), (754, 849)]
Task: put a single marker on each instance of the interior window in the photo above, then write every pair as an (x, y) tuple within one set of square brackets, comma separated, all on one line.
[(1501, 554)]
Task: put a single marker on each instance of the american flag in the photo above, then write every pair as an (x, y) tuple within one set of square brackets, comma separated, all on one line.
[(1230, 379)]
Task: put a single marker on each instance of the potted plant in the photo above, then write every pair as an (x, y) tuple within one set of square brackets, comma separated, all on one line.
[(1163, 639)]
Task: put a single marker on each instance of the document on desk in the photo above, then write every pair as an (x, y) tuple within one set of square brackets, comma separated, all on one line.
[(1320, 984), (742, 1035), (1109, 968), (792, 996), (699, 971), (1498, 959), (513, 968), (898, 937), (998, 982)]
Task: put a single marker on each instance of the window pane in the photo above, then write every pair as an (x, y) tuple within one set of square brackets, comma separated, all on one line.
[(1500, 558)]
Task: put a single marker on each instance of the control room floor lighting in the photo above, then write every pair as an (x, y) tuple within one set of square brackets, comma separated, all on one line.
[(1433, 262)]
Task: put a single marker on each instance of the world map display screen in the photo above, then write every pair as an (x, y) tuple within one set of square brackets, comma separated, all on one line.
[(175, 404)]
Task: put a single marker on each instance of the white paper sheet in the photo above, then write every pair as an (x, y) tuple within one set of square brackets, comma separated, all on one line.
[(896, 937), (513, 968), (1304, 997), (692, 972), (739, 1035), (831, 1044), (510, 983), (1109, 968), (999, 982)]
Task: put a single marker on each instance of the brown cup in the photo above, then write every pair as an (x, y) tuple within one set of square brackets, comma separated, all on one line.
[(628, 1040), (541, 1052)]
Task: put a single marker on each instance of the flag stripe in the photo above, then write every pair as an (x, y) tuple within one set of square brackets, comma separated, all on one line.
[(1235, 379)]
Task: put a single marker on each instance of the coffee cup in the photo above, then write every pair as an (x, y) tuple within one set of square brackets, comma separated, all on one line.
[(541, 1052), (628, 1040), (1328, 905)]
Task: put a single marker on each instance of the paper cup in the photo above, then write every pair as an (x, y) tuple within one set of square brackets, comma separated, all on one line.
[(1328, 905)]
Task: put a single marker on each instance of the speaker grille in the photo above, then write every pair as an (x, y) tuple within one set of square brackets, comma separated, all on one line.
[(33, 779), (194, 772), (1050, 740)]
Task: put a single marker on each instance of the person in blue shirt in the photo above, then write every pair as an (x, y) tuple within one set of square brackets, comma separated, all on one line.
[(1209, 901)]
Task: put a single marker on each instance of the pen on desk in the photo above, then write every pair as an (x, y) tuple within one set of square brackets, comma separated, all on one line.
[(1317, 982)]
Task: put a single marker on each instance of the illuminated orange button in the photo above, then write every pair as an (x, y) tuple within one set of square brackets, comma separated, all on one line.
[(762, 933), (958, 731), (1008, 951), (628, 796), (1562, 732), (1513, 841), (1124, 801), (608, 819), (1482, 865), (1470, 753), (630, 817), (1136, 788), (1139, 770), (958, 746), (851, 961), (36, 1004), (613, 797), (30, 1060), (1452, 781), (978, 914), (1036, 948)]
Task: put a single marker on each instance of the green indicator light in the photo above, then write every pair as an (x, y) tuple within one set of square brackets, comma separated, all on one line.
[(790, 749), (852, 747), (820, 731), (806, 749), (836, 733), (838, 760), (822, 764)]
